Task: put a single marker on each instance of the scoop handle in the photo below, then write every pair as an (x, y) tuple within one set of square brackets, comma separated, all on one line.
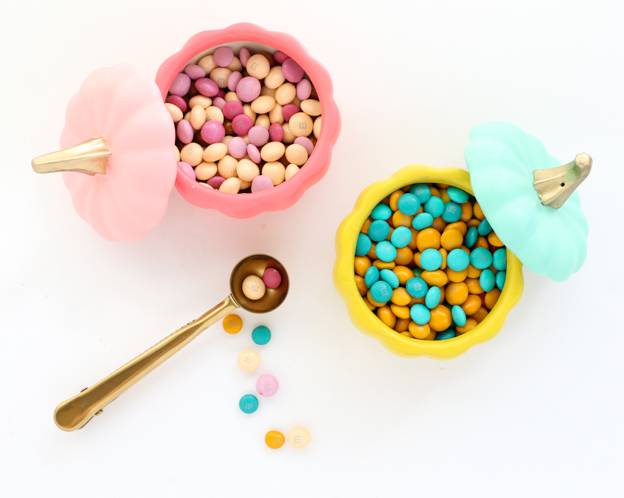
[(75, 412)]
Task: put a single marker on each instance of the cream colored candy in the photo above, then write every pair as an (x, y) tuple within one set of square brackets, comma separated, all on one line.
[(311, 107), (247, 170), (244, 185), (291, 170), (213, 113), (176, 151), (230, 186), (317, 127), (215, 152), (263, 104), (227, 166), (300, 124), (205, 171), (296, 154), (267, 91), (275, 171), (285, 93), (275, 77), (276, 115), (248, 111), (288, 135), (253, 287), (174, 110), (231, 97), (192, 154), (197, 117), (220, 76), (235, 65), (248, 360), (200, 100), (299, 437), (207, 63), (272, 151), (264, 121), (258, 66)]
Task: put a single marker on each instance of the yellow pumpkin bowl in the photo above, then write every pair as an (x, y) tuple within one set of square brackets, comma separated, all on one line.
[(365, 319)]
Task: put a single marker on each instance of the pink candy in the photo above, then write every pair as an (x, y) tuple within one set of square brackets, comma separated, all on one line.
[(243, 55), (288, 110), (212, 132), (223, 56), (187, 169), (276, 132), (292, 71), (181, 85), (232, 109), (306, 143), (241, 124), (216, 181), (279, 56), (272, 278), (248, 89), (233, 80), (194, 71), (260, 183), (267, 385), (218, 102), (237, 148), (304, 89), (258, 135), (206, 87), (185, 132), (254, 153), (177, 101)]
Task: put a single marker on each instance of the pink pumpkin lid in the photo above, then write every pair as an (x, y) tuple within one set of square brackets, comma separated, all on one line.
[(126, 110)]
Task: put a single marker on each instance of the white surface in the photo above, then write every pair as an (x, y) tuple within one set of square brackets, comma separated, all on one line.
[(535, 412)]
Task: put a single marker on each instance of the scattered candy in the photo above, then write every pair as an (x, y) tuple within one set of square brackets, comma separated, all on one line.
[(267, 385), (248, 403), (248, 360), (261, 335), (299, 437), (274, 439), (232, 324)]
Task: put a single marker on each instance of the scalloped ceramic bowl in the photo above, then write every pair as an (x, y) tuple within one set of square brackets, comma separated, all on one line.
[(286, 194), (365, 319)]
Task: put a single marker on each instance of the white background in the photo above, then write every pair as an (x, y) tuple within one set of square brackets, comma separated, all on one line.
[(535, 412)]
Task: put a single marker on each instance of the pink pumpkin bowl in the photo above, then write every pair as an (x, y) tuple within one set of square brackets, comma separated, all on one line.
[(118, 142)]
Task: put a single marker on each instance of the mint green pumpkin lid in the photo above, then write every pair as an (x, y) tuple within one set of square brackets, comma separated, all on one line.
[(528, 198)]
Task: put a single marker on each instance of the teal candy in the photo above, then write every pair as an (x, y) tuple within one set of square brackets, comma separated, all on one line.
[(381, 291), (390, 277), (471, 237), (434, 206), (480, 258), (447, 334), (421, 190), (431, 259), (371, 276), (499, 259), (422, 221), (487, 281), (381, 212), (401, 237), (457, 195), (484, 228), (261, 335), (248, 403), (500, 279), (433, 297), (501, 159), (458, 259), (363, 245), (452, 212), (420, 314), (378, 230), (459, 315), (416, 287), (385, 251), (408, 204)]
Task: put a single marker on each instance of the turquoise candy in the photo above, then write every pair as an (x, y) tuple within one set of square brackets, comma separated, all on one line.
[(416, 287), (487, 280), (484, 228), (248, 403), (459, 315), (452, 212), (431, 259), (401, 237), (447, 334), (500, 279), (457, 259), (378, 230), (390, 277), (457, 195), (420, 314), (471, 237), (385, 251), (480, 258), (499, 259), (422, 220), (434, 206), (381, 212), (421, 190), (261, 335), (381, 291), (408, 204), (363, 245), (433, 297), (371, 276)]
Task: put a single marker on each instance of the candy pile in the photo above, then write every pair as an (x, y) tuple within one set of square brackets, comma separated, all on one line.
[(245, 121), (428, 263), (254, 287)]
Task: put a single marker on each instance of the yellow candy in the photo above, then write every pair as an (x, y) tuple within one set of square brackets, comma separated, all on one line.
[(394, 199), (494, 240), (382, 264), (466, 208), (401, 312), (458, 225), (400, 297), (451, 239), (491, 297), (440, 318), (404, 273), (361, 285), (456, 276), (362, 263), (437, 277), (401, 220), (474, 287), (444, 254), (419, 331), (372, 301), (274, 439), (480, 314), (385, 315), (471, 305), (471, 323), (429, 237), (456, 293), (232, 324), (404, 256), (402, 324), (439, 224), (477, 211), (473, 272)]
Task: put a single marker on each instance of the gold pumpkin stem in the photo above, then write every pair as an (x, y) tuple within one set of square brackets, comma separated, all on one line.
[(555, 185), (90, 157)]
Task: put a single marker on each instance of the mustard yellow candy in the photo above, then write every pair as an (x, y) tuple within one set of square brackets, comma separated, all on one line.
[(466, 208), (419, 331), (491, 297), (402, 324), (401, 220), (460, 226), (440, 318), (474, 287), (361, 285), (385, 315), (451, 239), (404, 256), (456, 293), (404, 273), (428, 238), (437, 277), (473, 272), (400, 297), (456, 276), (439, 224), (362, 263), (494, 240), (382, 264), (394, 199), (480, 314), (402, 312), (274, 439), (471, 305), (471, 323), (232, 324)]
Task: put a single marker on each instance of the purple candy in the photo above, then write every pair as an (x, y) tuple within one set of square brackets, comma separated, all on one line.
[(237, 148), (212, 132), (185, 132), (233, 80), (206, 87), (232, 109), (216, 181), (304, 89), (223, 56), (241, 124), (292, 71), (194, 71), (187, 169), (288, 110), (177, 101), (279, 56), (244, 55), (248, 88), (276, 132), (260, 183), (306, 143), (253, 153), (181, 85), (258, 135), (218, 102)]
